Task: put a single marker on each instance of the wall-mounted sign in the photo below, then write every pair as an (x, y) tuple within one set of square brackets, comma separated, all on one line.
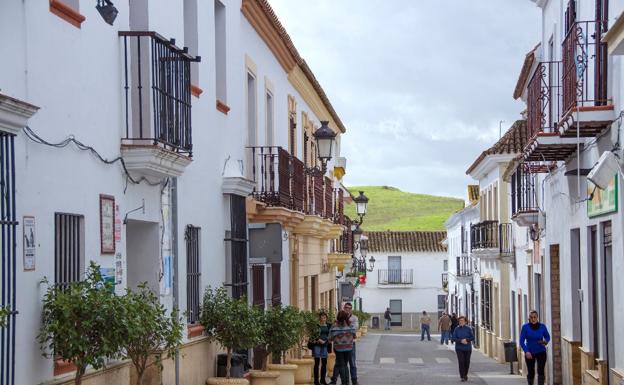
[(30, 245), (107, 224), (603, 201)]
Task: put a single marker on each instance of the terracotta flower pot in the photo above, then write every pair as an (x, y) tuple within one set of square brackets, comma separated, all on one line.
[(287, 373), (303, 374), (226, 381), (260, 377)]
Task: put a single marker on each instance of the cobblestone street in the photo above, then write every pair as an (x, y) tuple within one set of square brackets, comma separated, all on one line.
[(400, 359)]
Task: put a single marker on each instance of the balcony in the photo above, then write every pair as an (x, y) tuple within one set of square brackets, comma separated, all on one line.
[(524, 207), (465, 268), (543, 110), (489, 239), (585, 104), (157, 87), (445, 281), (395, 277)]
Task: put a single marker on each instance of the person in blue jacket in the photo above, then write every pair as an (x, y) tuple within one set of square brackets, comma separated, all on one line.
[(463, 337), (534, 337)]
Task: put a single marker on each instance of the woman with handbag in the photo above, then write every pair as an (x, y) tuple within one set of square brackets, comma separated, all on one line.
[(320, 350)]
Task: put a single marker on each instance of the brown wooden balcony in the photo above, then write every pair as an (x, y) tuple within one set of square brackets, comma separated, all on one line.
[(271, 172), (157, 87), (489, 239), (395, 277), (524, 207), (586, 106), (543, 111)]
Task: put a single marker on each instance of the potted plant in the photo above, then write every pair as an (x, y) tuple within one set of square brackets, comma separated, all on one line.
[(81, 323), (232, 323), (308, 332), (281, 331), (364, 318), (150, 335)]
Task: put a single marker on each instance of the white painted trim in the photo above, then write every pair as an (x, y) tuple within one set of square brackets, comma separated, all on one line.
[(14, 114)]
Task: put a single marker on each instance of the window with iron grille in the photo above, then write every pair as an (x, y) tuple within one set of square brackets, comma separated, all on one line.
[(486, 303), (193, 272), (68, 248)]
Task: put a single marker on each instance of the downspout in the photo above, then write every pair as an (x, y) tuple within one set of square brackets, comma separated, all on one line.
[(174, 252)]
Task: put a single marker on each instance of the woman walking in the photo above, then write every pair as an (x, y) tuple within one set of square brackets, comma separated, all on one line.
[(342, 334), (320, 350), (463, 337), (534, 337)]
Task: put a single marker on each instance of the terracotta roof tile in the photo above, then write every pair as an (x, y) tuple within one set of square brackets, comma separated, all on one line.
[(406, 241), (529, 59), (513, 142)]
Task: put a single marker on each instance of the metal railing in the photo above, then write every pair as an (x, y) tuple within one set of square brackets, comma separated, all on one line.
[(506, 240), (544, 99), (523, 193), (584, 65), (270, 170), (484, 235), (464, 266), (157, 86), (395, 276), (445, 281)]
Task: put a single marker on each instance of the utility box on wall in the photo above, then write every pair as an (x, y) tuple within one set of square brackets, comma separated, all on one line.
[(265, 243)]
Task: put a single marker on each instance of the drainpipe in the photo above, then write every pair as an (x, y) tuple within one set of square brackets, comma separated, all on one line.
[(174, 252)]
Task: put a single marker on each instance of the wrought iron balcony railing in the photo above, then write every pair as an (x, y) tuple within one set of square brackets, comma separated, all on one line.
[(584, 65), (270, 170), (544, 99), (157, 85), (395, 276), (445, 281), (490, 235), (464, 266), (523, 197)]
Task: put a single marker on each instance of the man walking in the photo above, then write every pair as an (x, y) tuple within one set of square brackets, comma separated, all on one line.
[(387, 319), (425, 324), (354, 322), (444, 326), (463, 337)]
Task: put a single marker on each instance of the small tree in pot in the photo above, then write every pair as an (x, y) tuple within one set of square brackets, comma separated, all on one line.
[(150, 335), (231, 322), (81, 322), (281, 330)]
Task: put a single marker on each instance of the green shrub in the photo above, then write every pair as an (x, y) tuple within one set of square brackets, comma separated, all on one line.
[(4, 315), (231, 322), (281, 330), (82, 322)]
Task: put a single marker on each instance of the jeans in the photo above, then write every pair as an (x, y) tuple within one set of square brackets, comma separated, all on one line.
[(445, 336), (425, 329), (463, 359), (386, 324), (540, 358), (342, 358), (352, 367)]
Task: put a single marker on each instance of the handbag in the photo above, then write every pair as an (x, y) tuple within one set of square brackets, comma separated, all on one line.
[(311, 345)]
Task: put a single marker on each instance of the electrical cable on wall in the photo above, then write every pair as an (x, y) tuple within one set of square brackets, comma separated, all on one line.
[(81, 146)]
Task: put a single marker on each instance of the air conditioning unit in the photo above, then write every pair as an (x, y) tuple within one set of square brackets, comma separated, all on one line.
[(602, 173)]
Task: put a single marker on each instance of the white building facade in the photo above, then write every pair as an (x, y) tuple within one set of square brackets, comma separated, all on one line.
[(173, 194), (406, 277)]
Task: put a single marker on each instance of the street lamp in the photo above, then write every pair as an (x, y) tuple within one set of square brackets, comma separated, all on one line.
[(361, 205), (325, 138), (107, 10)]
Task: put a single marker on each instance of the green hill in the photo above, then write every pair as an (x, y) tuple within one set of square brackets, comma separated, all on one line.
[(392, 209)]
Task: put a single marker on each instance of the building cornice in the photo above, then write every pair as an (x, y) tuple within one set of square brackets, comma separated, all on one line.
[(14, 114), (489, 164)]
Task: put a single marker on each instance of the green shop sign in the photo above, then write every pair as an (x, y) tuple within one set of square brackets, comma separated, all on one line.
[(603, 201)]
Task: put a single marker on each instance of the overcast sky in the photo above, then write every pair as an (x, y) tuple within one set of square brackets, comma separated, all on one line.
[(420, 85)]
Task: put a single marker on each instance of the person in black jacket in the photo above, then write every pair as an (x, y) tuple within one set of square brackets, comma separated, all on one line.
[(387, 319), (454, 323), (463, 337)]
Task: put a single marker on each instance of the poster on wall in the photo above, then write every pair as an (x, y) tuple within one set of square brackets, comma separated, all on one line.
[(118, 269), (107, 224), (603, 201), (29, 243), (108, 276)]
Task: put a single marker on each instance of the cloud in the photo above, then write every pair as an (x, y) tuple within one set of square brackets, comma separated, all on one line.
[(420, 85)]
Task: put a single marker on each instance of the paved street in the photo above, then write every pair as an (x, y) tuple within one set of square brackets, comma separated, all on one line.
[(400, 359)]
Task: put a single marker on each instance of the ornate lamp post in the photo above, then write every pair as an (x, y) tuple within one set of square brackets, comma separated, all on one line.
[(325, 138)]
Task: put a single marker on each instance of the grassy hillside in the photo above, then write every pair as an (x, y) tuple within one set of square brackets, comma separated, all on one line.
[(392, 209)]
